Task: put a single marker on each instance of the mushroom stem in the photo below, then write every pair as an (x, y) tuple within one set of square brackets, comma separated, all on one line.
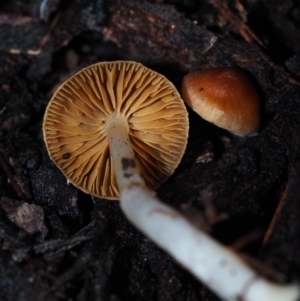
[(219, 268), (121, 152), (215, 265)]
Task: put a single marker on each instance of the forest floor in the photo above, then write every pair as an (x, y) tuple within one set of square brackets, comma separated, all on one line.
[(56, 242)]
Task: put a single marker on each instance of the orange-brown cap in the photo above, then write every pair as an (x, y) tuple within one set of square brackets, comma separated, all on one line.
[(74, 125), (225, 97)]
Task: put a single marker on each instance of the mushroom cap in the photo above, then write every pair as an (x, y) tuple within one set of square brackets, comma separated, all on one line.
[(74, 125), (225, 97)]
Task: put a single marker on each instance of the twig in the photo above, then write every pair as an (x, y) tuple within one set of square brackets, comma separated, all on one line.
[(247, 239), (210, 211), (240, 192), (276, 216), (245, 31), (43, 42), (11, 178), (15, 20)]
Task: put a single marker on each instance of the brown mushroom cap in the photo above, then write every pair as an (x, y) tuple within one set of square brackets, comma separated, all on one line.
[(74, 125), (225, 97)]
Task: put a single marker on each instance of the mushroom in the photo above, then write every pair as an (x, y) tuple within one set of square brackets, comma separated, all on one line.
[(115, 123), (225, 97), (121, 120)]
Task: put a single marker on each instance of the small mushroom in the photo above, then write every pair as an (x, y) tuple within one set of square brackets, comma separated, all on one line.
[(225, 97), (115, 123)]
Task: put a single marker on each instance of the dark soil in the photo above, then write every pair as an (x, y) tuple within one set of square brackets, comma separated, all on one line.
[(56, 243)]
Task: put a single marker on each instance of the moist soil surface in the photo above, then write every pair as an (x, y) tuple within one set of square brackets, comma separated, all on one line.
[(58, 243)]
